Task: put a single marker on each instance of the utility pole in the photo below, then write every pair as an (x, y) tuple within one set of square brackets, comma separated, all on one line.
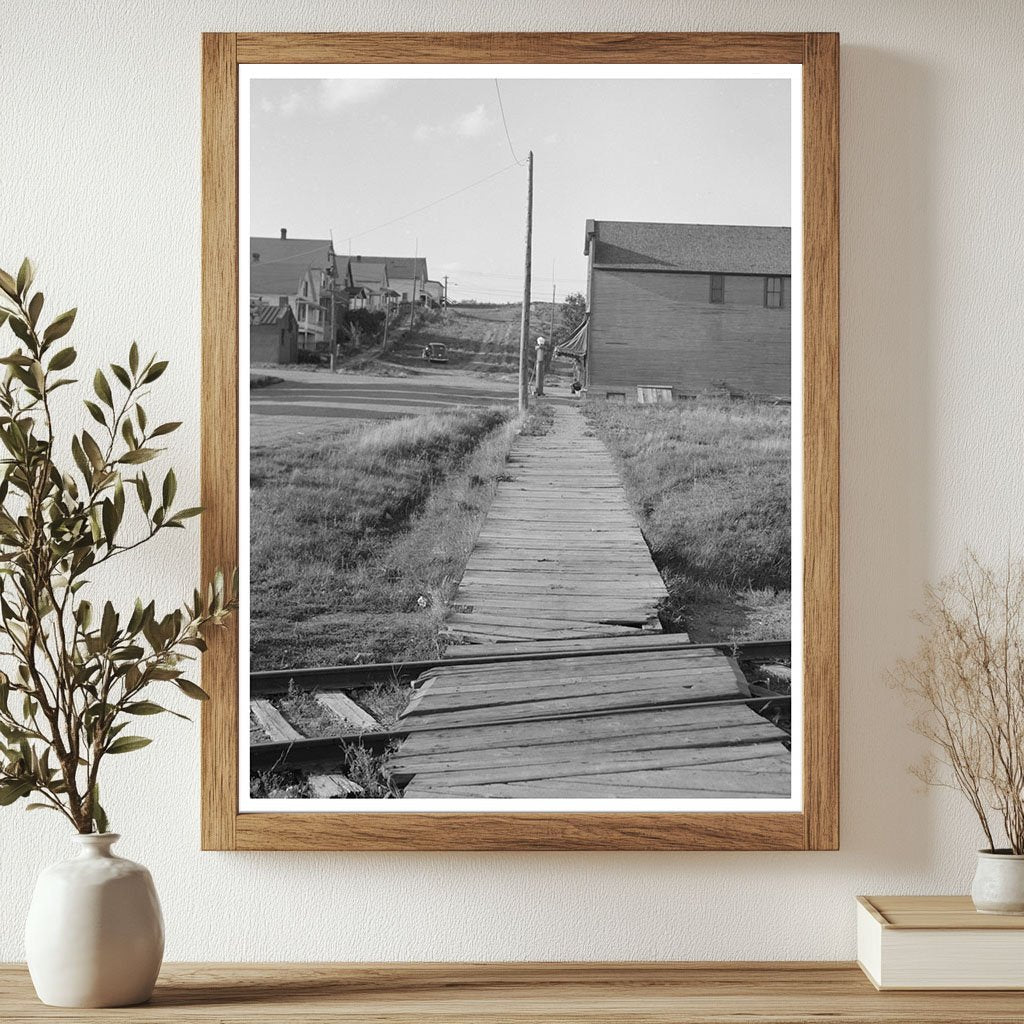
[(330, 331), (551, 325), (445, 303), (415, 279), (524, 329)]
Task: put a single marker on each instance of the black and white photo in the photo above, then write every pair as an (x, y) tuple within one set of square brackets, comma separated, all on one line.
[(520, 497)]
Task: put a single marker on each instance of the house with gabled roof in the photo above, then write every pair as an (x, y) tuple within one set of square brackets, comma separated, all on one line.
[(370, 275), (407, 275), (296, 272), (691, 307)]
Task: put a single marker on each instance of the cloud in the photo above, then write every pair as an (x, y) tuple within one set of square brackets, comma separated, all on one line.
[(284, 104), (328, 95), (336, 93), (473, 124), (470, 125)]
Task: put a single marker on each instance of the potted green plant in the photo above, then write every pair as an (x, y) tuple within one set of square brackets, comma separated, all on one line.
[(83, 672), (967, 682)]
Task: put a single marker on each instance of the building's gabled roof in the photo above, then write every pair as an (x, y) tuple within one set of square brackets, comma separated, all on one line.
[(344, 271), (403, 268), (275, 279), (368, 272), (278, 265), (700, 248), (261, 315)]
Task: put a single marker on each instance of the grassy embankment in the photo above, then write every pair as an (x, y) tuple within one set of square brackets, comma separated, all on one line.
[(710, 480), (358, 541), (358, 538)]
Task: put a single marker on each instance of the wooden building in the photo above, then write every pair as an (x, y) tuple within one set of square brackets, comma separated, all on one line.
[(406, 275), (299, 273), (273, 334), (370, 278), (693, 307)]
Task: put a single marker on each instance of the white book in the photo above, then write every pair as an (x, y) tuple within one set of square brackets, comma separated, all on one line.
[(938, 942)]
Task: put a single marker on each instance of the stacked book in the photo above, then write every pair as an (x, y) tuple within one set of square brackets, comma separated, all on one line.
[(938, 942)]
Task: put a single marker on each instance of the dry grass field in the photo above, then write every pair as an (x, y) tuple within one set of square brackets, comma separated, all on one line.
[(359, 535), (710, 481)]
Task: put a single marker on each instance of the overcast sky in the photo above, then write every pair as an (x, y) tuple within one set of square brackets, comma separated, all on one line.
[(342, 157)]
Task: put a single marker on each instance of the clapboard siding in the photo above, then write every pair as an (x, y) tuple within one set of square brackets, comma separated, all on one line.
[(659, 328)]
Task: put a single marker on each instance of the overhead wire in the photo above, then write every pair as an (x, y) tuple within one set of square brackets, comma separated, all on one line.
[(508, 138), (426, 206)]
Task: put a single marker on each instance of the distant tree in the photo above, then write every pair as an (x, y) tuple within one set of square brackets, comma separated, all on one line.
[(571, 314), (360, 327)]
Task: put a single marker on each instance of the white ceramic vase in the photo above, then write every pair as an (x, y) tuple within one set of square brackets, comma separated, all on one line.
[(95, 934), (999, 883)]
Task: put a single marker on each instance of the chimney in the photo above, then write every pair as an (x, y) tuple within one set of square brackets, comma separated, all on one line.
[(284, 232)]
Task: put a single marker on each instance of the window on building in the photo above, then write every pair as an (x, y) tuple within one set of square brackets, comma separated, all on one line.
[(773, 297), (717, 288), (300, 311), (282, 300), (305, 288)]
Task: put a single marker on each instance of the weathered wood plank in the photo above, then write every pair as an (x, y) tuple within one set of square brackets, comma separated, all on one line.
[(469, 628), (658, 768), (757, 751), (276, 726), (347, 710), (575, 663), (562, 789), (503, 612), (332, 786), (598, 681), (689, 725), (640, 641), (561, 601), (622, 704)]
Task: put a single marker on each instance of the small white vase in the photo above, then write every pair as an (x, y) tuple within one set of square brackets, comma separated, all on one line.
[(95, 934), (999, 883)]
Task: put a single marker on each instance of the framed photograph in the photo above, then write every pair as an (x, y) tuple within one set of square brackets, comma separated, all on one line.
[(520, 421)]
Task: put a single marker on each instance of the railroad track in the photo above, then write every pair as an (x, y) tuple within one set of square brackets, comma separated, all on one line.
[(337, 689)]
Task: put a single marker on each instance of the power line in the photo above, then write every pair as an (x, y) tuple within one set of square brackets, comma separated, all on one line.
[(513, 277), (426, 206), (539, 289), (537, 292), (508, 137)]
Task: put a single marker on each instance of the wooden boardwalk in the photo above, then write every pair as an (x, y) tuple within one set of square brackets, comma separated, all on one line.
[(639, 723), (561, 554), (602, 703)]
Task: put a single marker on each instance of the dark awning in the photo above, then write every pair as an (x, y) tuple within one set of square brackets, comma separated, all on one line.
[(576, 344)]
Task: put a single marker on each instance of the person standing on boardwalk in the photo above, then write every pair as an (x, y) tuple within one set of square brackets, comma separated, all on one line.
[(538, 388)]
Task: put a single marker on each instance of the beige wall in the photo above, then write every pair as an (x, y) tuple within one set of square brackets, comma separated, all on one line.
[(102, 187)]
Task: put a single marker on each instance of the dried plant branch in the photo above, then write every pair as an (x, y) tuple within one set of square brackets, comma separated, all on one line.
[(966, 681)]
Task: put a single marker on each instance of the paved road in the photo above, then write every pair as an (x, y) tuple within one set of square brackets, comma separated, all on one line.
[(304, 401)]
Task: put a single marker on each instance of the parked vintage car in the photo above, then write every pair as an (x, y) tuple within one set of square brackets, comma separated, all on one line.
[(435, 352)]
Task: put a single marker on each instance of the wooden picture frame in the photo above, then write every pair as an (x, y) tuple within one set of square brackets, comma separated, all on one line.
[(816, 827)]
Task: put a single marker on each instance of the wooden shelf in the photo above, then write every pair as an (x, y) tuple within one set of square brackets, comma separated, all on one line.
[(615, 993)]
